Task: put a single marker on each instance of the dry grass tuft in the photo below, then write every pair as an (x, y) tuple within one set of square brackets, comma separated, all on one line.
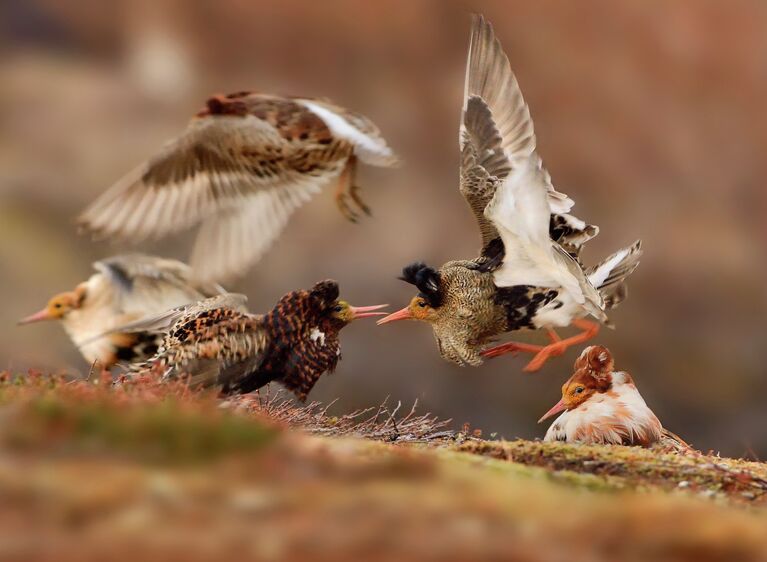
[(380, 423)]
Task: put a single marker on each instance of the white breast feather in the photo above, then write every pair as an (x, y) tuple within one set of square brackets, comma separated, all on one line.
[(595, 420), (317, 336)]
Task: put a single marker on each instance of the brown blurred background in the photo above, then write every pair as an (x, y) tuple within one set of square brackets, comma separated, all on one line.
[(650, 115)]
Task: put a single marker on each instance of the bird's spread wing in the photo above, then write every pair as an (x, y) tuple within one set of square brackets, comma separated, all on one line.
[(483, 164), (502, 177), (496, 129), (242, 167), (235, 238), (217, 161), (520, 212), (144, 284)]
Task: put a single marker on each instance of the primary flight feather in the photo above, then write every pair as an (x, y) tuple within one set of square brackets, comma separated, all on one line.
[(243, 165)]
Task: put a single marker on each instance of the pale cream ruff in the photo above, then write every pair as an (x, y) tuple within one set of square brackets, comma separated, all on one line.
[(618, 416)]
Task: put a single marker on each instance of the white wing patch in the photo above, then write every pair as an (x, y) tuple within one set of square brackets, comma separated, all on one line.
[(520, 211), (367, 147)]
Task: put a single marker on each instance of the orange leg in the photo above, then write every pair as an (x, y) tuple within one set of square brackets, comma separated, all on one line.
[(553, 336), (512, 347), (543, 352), (590, 329), (515, 347)]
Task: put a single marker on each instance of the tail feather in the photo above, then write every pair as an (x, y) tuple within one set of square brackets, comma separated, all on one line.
[(670, 435), (671, 443), (571, 232), (610, 275)]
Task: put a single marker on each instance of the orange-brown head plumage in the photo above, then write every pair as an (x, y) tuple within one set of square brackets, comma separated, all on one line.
[(592, 375), (58, 306)]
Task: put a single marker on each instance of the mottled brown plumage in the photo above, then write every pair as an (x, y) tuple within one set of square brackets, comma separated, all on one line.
[(528, 274), (243, 165), (218, 343), (466, 315), (470, 310)]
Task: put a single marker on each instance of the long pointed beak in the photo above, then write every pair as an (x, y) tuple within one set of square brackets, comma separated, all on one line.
[(36, 317), (403, 314), (367, 311), (558, 407)]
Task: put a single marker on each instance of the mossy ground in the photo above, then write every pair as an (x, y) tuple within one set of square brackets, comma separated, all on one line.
[(635, 468), (88, 471)]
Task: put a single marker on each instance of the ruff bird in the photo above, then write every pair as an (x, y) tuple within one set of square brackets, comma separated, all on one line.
[(602, 405), (218, 343), (528, 274), (243, 165), (124, 289)]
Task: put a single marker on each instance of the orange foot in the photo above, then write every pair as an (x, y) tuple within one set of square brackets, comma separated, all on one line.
[(543, 352)]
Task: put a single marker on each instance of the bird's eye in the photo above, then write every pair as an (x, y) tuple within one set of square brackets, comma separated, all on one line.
[(337, 308), (422, 304), (57, 305), (579, 390)]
